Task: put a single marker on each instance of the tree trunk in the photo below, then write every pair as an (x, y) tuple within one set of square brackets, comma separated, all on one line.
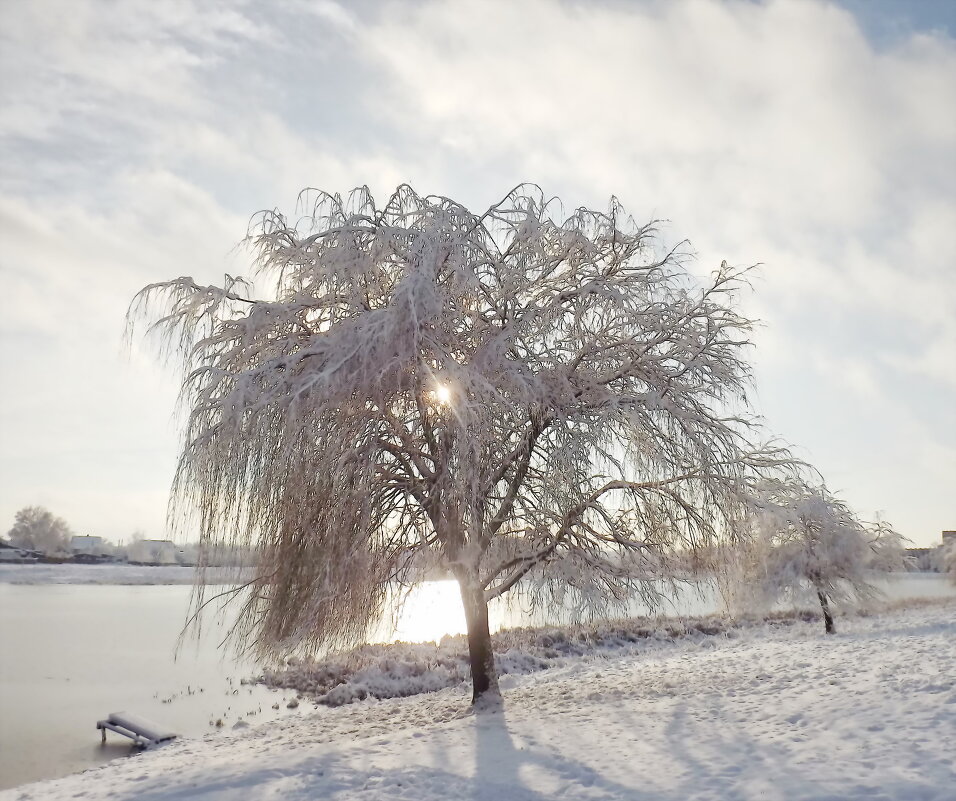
[(825, 606), (484, 676)]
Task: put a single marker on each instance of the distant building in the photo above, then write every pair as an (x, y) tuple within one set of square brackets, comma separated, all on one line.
[(152, 552), (10, 553), (949, 536), (88, 546)]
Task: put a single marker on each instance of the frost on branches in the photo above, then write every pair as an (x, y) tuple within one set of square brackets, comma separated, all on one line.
[(524, 400), (808, 543)]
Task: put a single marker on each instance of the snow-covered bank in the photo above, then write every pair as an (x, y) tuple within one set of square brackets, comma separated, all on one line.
[(772, 712), (399, 669), (122, 574)]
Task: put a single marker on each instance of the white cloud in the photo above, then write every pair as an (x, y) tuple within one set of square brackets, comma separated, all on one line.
[(142, 136), (328, 11), (767, 132)]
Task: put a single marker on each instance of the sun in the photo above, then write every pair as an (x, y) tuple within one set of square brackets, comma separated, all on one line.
[(441, 395), (438, 395)]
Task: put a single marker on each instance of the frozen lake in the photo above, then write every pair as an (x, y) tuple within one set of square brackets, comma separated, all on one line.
[(70, 653)]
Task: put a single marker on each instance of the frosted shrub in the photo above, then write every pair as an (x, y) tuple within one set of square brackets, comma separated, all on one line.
[(808, 543)]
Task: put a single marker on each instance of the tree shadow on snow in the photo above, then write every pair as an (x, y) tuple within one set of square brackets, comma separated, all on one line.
[(500, 765), (848, 633), (502, 770), (730, 762)]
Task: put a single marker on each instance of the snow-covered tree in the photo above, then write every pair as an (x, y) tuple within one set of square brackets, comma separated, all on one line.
[(37, 529), (551, 403), (809, 543)]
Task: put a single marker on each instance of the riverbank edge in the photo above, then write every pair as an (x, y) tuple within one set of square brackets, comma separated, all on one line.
[(401, 669)]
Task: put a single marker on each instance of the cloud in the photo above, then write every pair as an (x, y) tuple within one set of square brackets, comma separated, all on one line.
[(141, 136), (772, 132), (83, 418)]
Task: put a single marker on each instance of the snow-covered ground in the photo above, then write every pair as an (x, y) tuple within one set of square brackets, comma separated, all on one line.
[(765, 712)]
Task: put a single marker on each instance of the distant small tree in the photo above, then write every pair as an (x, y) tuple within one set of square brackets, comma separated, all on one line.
[(808, 541), (37, 529), (525, 400), (947, 560), (119, 551)]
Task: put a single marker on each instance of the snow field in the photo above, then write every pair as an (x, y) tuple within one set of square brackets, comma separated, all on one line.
[(770, 713)]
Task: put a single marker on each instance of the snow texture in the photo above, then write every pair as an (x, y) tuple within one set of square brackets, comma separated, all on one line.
[(765, 712)]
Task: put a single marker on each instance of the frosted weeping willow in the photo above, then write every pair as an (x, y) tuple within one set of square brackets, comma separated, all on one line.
[(519, 397)]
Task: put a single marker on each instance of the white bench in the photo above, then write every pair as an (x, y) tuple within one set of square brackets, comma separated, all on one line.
[(144, 732)]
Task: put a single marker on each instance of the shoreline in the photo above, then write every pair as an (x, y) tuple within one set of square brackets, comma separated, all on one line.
[(113, 574), (127, 574), (401, 669)]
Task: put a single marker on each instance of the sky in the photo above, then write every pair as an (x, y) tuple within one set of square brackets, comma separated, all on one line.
[(816, 139)]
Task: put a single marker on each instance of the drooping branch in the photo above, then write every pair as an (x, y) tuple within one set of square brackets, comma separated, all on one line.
[(522, 396)]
